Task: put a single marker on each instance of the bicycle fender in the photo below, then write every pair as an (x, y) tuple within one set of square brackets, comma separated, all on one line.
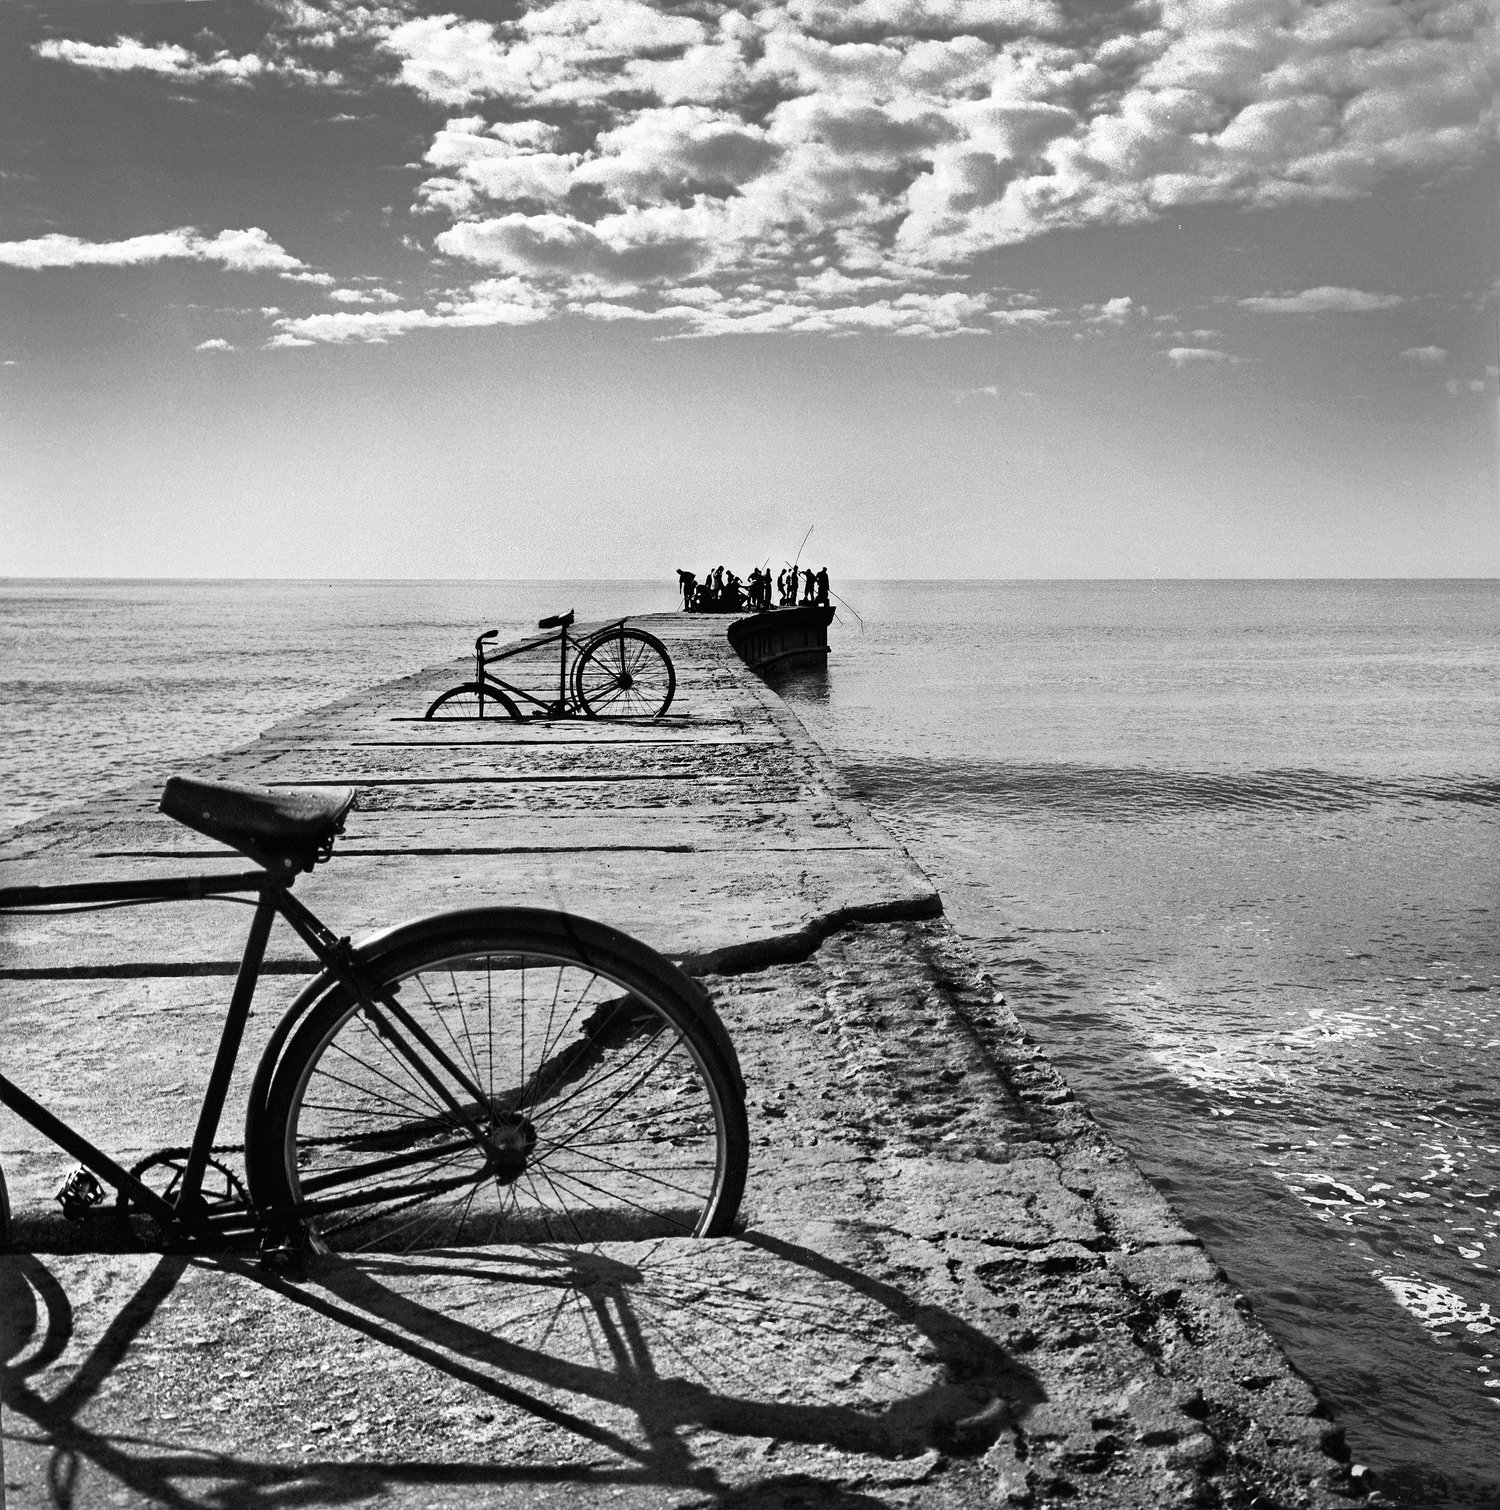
[(265, 1071)]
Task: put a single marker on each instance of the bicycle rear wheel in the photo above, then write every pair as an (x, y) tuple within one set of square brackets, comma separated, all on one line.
[(468, 701), (624, 673), (524, 1076)]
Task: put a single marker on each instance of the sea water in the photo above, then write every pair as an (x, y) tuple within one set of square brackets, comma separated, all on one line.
[(1229, 849)]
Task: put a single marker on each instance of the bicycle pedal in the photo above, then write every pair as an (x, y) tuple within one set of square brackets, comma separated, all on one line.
[(79, 1194), (287, 1250), (283, 1261)]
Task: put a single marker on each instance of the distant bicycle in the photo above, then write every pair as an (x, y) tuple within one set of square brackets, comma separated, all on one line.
[(617, 672), (493, 1075)]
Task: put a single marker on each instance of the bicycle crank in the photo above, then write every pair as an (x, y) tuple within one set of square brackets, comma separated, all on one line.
[(221, 1196)]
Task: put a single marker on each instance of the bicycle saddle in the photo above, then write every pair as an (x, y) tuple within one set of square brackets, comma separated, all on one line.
[(557, 621), (286, 828)]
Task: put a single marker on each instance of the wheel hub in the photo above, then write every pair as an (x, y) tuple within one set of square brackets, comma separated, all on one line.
[(511, 1140)]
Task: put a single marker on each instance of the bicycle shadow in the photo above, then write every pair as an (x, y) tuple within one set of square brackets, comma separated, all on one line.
[(649, 1364)]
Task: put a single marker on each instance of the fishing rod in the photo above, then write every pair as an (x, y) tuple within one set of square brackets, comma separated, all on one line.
[(793, 564), (852, 609)]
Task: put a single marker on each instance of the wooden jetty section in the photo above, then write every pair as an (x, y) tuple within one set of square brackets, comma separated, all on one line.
[(951, 1288)]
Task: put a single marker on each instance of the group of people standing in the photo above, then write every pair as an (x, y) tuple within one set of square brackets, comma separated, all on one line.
[(722, 592)]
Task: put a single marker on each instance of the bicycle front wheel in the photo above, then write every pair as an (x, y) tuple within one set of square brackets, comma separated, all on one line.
[(520, 1076), (472, 701), (624, 673)]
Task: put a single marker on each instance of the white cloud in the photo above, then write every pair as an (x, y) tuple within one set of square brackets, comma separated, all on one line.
[(1322, 300), (215, 343), (603, 151), (666, 154), (920, 15), (1114, 311), (569, 52), (1026, 317), (247, 251), (494, 301), (1425, 356), (509, 163), (904, 141), (359, 296), (1190, 356), (168, 59), (635, 250), (685, 310), (345, 326)]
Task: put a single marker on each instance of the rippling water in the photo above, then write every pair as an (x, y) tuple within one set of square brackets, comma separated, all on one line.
[(1229, 848), (1231, 851)]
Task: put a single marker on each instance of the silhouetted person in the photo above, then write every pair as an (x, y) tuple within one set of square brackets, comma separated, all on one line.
[(821, 581), (809, 590), (686, 582)]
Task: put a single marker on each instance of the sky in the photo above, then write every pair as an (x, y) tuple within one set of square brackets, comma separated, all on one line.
[(600, 288)]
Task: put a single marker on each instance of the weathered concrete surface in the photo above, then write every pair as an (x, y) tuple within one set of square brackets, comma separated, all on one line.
[(951, 1288)]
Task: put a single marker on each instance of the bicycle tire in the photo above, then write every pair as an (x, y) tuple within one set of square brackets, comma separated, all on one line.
[(465, 702), (623, 672), (603, 1098)]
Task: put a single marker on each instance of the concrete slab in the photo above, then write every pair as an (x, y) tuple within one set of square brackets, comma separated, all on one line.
[(949, 1289)]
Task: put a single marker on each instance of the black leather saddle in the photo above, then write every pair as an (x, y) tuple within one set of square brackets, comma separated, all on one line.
[(557, 621), (289, 828)]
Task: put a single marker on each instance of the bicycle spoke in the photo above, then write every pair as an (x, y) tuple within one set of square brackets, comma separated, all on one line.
[(348, 1053), (605, 1111), (643, 1174), (562, 1205), (655, 1213), (585, 1086)]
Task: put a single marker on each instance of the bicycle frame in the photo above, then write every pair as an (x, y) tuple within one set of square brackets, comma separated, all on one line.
[(171, 889), (274, 899), (507, 693)]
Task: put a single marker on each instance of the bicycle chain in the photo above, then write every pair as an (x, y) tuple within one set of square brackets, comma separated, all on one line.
[(167, 1155), (162, 1154)]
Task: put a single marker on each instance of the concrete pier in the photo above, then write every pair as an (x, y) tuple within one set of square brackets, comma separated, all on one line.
[(951, 1288)]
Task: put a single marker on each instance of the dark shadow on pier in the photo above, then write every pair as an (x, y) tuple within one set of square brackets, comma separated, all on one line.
[(667, 1347)]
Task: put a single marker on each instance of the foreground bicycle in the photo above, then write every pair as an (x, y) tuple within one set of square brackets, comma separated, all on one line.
[(502, 1074), (617, 671)]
